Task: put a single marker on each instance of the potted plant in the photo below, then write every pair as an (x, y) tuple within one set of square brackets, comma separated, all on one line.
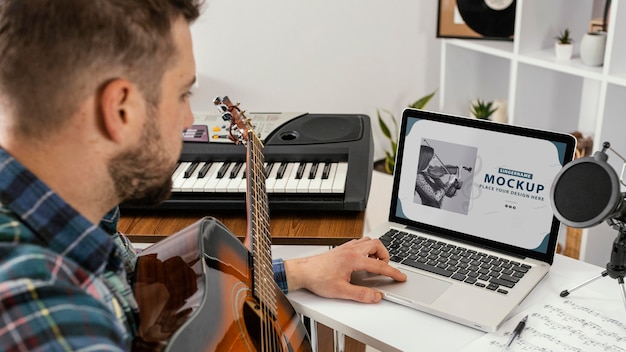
[(389, 162), (481, 109), (564, 46)]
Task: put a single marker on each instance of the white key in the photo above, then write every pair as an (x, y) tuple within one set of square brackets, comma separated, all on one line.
[(201, 182), (222, 184), (281, 184), (270, 181), (339, 184), (292, 182), (187, 185), (211, 183), (316, 183), (327, 184), (178, 176), (303, 184)]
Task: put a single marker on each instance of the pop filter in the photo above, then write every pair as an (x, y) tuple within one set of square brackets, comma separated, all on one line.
[(586, 192)]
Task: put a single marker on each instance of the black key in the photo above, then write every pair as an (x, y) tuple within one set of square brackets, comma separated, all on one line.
[(205, 168), (281, 171), (268, 169), (222, 171), (191, 169), (313, 171), (235, 170), (326, 171), (300, 171), (432, 269), (503, 291)]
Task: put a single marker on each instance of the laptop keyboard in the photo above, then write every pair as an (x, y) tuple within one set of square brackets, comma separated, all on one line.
[(470, 266)]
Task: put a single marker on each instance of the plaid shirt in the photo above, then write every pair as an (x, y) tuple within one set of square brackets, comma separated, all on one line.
[(63, 280)]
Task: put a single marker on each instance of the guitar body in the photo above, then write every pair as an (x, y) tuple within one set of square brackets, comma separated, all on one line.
[(221, 314), (203, 290)]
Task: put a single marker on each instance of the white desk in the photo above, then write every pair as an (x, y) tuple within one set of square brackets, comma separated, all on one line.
[(390, 327)]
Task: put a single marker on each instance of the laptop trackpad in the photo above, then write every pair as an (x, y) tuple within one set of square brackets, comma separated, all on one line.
[(417, 287)]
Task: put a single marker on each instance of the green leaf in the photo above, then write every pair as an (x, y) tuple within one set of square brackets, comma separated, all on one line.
[(390, 156), (421, 102)]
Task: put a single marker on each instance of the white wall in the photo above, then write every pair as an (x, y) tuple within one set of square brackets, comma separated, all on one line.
[(324, 56)]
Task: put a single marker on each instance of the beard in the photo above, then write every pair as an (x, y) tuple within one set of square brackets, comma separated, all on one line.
[(142, 176)]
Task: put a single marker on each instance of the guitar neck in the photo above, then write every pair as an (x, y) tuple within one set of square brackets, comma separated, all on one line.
[(258, 224)]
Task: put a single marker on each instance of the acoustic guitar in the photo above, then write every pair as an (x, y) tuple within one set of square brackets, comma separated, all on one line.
[(202, 289)]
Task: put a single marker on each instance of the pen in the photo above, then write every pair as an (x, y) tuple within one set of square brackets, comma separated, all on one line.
[(517, 331)]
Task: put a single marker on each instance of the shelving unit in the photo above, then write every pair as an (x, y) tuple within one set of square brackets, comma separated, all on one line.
[(543, 92)]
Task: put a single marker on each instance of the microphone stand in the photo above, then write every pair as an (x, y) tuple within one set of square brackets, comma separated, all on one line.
[(616, 267)]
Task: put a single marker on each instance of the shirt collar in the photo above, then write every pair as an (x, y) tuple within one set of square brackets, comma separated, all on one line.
[(54, 223)]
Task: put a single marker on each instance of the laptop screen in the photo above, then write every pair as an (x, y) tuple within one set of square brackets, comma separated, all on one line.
[(477, 181)]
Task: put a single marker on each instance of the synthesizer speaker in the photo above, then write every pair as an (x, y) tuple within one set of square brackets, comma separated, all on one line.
[(313, 129)]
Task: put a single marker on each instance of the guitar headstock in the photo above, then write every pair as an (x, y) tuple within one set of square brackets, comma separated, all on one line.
[(240, 125)]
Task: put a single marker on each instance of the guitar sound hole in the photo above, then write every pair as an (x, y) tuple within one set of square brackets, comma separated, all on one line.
[(261, 328)]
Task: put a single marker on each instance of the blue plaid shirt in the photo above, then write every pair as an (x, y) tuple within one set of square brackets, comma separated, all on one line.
[(64, 282)]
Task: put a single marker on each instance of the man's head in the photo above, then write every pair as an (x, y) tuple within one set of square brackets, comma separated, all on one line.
[(55, 52), (118, 57)]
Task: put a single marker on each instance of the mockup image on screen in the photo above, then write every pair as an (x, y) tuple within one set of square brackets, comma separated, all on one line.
[(483, 183)]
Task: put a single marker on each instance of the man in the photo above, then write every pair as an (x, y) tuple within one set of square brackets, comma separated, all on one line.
[(93, 99)]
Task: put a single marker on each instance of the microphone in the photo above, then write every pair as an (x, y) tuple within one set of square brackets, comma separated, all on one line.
[(587, 192)]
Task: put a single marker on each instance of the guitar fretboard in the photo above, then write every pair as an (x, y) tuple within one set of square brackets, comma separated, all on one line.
[(259, 229)]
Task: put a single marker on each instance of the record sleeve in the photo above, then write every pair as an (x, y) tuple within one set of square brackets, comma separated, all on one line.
[(476, 19)]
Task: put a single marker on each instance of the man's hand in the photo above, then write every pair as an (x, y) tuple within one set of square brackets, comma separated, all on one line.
[(328, 274)]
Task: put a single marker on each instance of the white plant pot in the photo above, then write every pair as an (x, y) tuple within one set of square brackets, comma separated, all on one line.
[(501, 114), (563, 51), (592, 48)]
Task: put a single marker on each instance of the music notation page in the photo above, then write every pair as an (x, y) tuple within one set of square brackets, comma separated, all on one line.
[(578, 323)]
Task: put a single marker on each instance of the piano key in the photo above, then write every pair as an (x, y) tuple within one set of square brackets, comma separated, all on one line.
[(281, 171), (178, 176), (223, 179), (189, 171), (313, 171), (326, 171), (339, 183), (223, 169), (316, 183), (205, 168), (211, 168), (235, 170), (292, 181), (304, 181), (213, 178), (270, 181), (328, 177), (300, 172), (237, 178), (267, 169), (281, 182), (190, 180)]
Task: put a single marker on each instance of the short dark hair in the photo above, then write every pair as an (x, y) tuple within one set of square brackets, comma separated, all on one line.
[(56, 52)]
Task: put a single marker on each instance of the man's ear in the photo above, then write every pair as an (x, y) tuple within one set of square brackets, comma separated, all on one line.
[(119, 106)]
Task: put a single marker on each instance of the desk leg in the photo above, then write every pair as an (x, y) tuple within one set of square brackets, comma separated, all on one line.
[(340, 341)]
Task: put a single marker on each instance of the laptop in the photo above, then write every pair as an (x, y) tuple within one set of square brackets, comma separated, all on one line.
[(470, 221)]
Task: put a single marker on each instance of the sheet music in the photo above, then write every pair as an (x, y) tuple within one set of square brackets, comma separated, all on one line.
[(577, 323)]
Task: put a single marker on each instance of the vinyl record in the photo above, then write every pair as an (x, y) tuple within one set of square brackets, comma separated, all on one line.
[(490, 18)]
